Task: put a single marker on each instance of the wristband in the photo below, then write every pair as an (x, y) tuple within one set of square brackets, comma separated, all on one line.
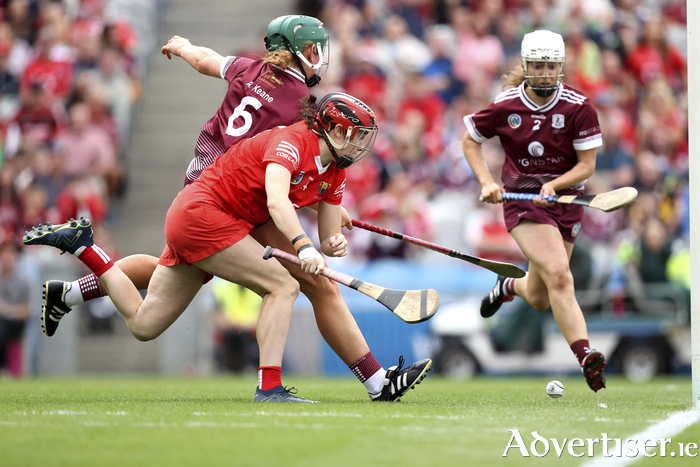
[(301, 241), (304, 247)]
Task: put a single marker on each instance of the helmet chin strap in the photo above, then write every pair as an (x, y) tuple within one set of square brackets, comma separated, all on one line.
[(341, 161), (543, 92)]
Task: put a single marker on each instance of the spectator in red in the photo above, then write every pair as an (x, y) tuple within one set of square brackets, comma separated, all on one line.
[(81, 198), (35, 120), (662, 125), (419, 96), (618, 82), (56, 77), (655, 57), (365, 80), (399, 207), (487, 232)]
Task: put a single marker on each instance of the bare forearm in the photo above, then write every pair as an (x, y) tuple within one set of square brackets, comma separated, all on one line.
[(475, 158), (577, 174), (285, 218), (194, 55)]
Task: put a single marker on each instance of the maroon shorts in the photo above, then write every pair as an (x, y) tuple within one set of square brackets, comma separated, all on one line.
[(197, 227), (566, 217)]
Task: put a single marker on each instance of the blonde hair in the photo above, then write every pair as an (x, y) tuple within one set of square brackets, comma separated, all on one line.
[(513, 78), (280, 58)]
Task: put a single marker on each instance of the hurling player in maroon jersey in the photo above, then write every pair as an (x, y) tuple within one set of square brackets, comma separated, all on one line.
[(549, 132)]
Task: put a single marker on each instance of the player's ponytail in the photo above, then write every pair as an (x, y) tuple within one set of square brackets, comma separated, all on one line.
[(280, 58), (309, 110)]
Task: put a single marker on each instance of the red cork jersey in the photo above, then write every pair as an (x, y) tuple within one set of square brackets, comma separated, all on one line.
[(260, 96), (237, 178), (540, 142)]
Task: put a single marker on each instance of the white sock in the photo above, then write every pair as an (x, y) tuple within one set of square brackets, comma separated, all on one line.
[(74, 296), (375, 383)]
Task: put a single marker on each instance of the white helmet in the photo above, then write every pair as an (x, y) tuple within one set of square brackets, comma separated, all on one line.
[(543, 46)]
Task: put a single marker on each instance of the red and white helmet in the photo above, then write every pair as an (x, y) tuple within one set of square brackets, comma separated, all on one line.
[(356, 119)]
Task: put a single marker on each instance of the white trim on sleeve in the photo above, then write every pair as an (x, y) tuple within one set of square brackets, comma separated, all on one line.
[(473, 132), (591, 142), (228, 60)]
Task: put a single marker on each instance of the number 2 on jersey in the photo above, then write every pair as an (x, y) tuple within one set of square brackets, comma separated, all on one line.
[(241, 112), (536, 127)]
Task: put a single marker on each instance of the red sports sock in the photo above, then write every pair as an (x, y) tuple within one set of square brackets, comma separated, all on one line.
[(509, 287), (269, 377), (365, 367), (90, 287), (581, 348), (97, 260)]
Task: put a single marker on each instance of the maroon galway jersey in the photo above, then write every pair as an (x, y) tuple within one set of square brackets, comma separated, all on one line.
[(260, 96), (540, 142)]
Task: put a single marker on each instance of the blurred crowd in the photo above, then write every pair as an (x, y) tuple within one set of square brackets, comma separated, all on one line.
[(423, 65), (68, 79)]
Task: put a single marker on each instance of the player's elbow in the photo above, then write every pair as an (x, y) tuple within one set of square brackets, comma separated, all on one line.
[(275, 204)]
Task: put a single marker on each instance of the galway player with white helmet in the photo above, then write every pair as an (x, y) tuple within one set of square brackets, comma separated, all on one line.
[(549, 132)]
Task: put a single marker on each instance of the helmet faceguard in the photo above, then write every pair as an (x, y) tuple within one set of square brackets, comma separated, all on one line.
[(541, 50), (293, 33), (357, 121)]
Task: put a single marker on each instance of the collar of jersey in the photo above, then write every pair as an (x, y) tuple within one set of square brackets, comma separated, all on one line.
[(320, 167), (292, 71), (531, 104)]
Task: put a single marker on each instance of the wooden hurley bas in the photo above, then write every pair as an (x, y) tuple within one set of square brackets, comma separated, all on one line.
[(412, 306), (607, 202)]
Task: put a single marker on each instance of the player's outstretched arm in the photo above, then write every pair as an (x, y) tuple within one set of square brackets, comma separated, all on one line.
[(202, 59)]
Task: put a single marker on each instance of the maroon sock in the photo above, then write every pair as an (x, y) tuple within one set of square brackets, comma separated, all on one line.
[(269, 377), (509, 287), (581, 348), (90, 287), (95, 259), (365, 367)]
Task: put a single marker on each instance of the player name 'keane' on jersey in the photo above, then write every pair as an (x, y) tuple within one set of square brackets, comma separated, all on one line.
[(265, 96)]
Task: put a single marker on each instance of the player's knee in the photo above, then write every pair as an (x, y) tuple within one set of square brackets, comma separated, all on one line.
[(288, 287), (560, 279), (539, 303), (144, 334), (317, 286)]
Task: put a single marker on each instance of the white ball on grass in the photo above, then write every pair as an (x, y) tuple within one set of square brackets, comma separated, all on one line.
[(555, 389)]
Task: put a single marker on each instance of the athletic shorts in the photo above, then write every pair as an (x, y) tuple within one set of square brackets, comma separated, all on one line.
[(566, 217), (197, 226)]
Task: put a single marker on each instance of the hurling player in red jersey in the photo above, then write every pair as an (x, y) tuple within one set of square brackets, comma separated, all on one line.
[(208, 227), (262, 94), (549, 133)]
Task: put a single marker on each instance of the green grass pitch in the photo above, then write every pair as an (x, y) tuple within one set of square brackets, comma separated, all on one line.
[(131, 421)]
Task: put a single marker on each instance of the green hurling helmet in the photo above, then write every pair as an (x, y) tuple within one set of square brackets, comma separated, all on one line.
[(292, 33)]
